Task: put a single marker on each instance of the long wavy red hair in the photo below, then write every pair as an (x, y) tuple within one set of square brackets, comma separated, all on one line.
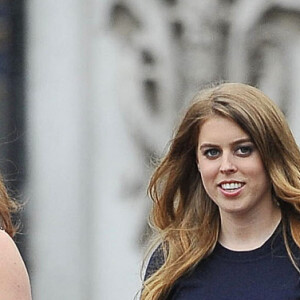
[(185, 218)]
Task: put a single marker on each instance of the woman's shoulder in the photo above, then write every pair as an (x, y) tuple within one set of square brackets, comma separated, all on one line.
[(156, 260), (14, 279)]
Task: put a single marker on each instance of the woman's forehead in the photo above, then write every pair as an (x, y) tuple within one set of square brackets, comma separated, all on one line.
[(220, 130)]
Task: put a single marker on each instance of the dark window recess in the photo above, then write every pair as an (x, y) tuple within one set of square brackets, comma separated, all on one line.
[(147, 57), (151, 95), (177, 29), (123, 21), (171, 2)]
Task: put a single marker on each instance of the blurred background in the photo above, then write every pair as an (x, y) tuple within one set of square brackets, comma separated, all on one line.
[(90, 92)]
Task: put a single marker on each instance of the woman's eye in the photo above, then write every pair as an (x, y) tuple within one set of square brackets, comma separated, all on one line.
[(244, 150), (211, 153)]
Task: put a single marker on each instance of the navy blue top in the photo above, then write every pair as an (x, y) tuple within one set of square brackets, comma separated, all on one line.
[(265, 273)]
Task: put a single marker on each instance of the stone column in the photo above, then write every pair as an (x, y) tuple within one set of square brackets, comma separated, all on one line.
[(57, 120)]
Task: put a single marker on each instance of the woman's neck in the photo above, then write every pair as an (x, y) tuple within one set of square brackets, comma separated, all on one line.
[(242, 234)]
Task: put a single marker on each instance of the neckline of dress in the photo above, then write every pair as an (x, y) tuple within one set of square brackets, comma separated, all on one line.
[(271, 244)]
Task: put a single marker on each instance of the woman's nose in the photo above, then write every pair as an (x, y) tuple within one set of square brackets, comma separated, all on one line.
[(227, 166)]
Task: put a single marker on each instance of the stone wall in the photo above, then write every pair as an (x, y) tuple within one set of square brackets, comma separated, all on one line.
[(107, 82)]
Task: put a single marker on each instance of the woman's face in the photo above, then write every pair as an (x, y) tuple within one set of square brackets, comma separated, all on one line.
[(231, 168)]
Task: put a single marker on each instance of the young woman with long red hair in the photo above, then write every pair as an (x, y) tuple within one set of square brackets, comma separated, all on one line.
[(226, 202)]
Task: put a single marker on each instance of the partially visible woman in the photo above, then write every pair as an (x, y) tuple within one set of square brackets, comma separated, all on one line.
[(14, 279), (226, 203)]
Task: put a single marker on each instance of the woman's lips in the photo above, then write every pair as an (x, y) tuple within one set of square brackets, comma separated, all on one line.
[(232, 188)]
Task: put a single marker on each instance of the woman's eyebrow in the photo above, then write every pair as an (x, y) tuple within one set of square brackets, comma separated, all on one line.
[(208, 145), (242, 140)]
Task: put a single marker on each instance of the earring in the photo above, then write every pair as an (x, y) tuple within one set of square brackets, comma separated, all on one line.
[(275, 200)]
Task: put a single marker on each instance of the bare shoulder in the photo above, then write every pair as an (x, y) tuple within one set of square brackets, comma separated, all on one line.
[(14, 280)]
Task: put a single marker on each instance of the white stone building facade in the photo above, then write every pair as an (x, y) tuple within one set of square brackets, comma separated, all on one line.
[(106, 81)]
